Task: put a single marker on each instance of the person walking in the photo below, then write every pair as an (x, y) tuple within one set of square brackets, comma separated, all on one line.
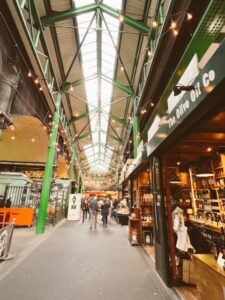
[(93, 213), (85, 208), (105, 212)]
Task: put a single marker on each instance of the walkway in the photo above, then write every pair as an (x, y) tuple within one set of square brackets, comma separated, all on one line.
[(79, 264)]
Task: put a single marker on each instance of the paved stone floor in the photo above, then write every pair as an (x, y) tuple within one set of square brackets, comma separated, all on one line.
[(76, 263)]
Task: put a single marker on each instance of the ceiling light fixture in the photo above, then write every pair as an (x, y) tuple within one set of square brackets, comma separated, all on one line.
[(177, 89), (154, 24), (189, 16), (173, 25), (121, 18)]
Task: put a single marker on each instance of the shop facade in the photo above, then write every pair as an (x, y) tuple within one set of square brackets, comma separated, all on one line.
[(186, 151)]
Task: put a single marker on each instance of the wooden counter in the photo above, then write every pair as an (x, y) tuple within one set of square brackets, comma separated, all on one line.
[(210, 277)]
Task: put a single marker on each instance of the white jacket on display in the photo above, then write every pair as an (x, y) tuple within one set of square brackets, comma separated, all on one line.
[(183, 241)]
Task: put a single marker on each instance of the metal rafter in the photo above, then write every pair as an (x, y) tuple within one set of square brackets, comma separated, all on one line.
[(78, 50), (67, 14), (128, 89)]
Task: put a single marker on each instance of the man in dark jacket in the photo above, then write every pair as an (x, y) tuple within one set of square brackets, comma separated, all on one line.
[(105, 212)]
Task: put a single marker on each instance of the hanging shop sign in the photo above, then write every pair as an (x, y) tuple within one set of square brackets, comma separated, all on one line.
[(154, 127), (74, 207), (191, 72), (204, 84)]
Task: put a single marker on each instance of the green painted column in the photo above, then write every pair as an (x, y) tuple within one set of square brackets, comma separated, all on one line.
[(48, 171), (78, 182), (136, 128), (71, 169)]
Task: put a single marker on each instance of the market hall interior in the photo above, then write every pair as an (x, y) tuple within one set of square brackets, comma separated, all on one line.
[(112, 149)]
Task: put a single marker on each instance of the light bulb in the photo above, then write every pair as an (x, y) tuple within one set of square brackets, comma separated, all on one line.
[(149, 53), (189, 16), (36, 81), (122, 68), (29, 74), (173, 24), (13, 137), (33, 140), (175, 32), (41, 88), (154, 24), (121, 18), (152, 104)]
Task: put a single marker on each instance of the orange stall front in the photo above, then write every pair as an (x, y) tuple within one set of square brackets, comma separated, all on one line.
[(23, 216)]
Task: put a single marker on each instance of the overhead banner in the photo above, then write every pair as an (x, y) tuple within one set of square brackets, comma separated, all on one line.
[(74, 206)]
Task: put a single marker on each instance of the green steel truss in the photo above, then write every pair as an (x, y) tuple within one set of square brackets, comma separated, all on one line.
[(67, 14), (33, 30)]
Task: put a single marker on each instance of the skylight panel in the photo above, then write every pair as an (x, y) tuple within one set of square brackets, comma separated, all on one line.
[(95, 138), (79, 3), (103, 138), (99, 121), (104, 122), (116, 4)]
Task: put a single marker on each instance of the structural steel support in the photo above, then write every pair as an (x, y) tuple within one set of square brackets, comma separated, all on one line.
[(82, 116), (56, 17), (71, 169), (128, 89), (136, 128), (67, 14), (48, 171), (114, 117)]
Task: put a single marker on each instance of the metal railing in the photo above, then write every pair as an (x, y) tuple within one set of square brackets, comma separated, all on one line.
[(6, 234)]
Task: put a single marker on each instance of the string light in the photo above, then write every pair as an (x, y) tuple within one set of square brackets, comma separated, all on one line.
[(175, 32), (121, 68), (178, 163), (36, 81), (33, 140), (29, 74), (149, 53), (121, 18), (209, 149), (71, 88), (152, 104), (76, 114), (154, 23), (13, 137), (189, 16), (41, 88), (173, 25)]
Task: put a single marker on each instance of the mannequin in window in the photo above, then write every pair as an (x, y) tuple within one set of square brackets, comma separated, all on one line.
[(183, 241)]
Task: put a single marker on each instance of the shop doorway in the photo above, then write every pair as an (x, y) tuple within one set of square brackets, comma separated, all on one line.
[(160, 225)]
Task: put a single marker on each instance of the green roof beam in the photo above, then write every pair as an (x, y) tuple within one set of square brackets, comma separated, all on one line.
[(68, 85), (127, 20), (67, 14), (128, 89), (82, 116), (114, 117)]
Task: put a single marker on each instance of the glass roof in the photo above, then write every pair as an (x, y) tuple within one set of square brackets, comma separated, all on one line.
[(99, 58)]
